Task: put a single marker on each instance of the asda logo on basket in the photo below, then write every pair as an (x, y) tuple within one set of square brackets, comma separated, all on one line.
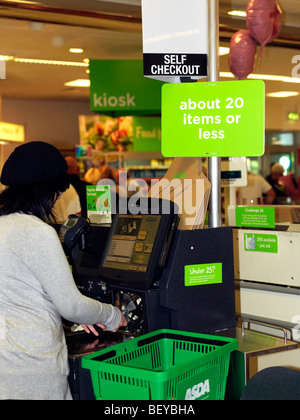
[(104, 101), (198, 390)]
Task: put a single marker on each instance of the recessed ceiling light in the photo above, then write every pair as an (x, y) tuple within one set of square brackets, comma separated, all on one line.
[(282, 94), (224, 50), (239, 13), (6, 57), (76, 50), (78, 83), (40, 61), (24, 1)]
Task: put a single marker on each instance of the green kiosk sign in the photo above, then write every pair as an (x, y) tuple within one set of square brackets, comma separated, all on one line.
[(221, 119), (120, 86)]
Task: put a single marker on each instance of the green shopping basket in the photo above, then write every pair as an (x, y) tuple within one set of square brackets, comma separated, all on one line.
[(162, 365)]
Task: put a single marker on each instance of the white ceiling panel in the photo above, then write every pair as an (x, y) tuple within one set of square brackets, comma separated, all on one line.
[(105, 29)]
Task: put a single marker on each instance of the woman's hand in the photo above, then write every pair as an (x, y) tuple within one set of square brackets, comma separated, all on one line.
[(91, 328)]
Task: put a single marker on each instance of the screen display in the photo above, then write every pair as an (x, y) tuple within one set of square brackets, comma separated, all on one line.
[(231, 174), (70, 222), (132, 242)]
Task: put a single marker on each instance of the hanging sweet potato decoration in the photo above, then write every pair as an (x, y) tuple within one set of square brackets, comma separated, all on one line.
[(263, 21), (277, 15), (242, 54), (264, 25)]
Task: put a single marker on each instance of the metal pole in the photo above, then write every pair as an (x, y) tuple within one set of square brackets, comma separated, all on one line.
[(214, 163)]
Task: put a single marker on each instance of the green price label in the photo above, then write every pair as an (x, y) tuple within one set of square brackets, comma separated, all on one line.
[(202, 274), (261, 242), (263, 217), (213, 119)]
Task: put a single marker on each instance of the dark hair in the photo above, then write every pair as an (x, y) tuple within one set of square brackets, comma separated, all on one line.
[(36, 198)]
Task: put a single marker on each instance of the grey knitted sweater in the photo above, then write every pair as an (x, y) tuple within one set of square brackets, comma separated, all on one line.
[(36, 290)]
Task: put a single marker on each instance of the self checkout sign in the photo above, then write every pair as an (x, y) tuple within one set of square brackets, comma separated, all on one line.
[(164, 66), (220, 119), (175, 39)]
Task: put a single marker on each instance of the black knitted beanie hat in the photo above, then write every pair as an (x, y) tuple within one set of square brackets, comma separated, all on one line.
[(33, 162)]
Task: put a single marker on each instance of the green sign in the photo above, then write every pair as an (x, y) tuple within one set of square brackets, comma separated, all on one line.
[(213, 119), (202, 274), (146, 134), (263, 217), (261, 242), (120, 86), (98, 203)]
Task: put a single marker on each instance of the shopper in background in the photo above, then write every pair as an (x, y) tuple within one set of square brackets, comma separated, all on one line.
[(273, 179), (36, 284), (78, 184), (108, 172), (92, 176), (257, 191), (66, 204), (290, 187)]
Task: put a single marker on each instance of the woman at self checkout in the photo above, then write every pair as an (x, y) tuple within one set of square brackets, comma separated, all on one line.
[(36, 285)]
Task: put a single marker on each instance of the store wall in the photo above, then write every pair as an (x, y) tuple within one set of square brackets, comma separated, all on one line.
[(277, 114), (55, 122)]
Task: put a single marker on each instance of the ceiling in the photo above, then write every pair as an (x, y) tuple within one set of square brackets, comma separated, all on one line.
[(108, 29)]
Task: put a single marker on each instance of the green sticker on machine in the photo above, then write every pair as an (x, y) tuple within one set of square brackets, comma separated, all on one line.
[(263, 217), (261, 242), (202, 274), (223, 119)]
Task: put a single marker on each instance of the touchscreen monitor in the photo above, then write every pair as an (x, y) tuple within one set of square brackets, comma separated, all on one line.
[(136, 249), (132, 241)]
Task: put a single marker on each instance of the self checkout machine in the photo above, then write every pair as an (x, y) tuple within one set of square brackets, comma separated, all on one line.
[(159, 276)]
